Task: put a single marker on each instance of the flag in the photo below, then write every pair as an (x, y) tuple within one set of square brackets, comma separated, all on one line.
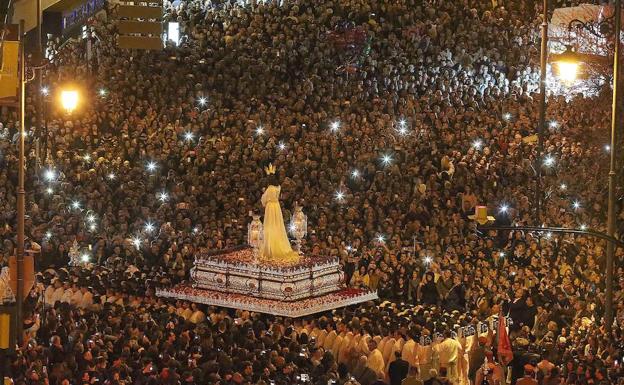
[(505, 354), (8, 71)]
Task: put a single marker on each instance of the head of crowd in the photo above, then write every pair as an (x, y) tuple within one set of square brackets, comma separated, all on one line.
[(389, 122)]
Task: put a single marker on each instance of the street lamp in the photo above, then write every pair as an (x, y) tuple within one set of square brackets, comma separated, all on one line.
[(69, 100), (572, 60), (567, 65)]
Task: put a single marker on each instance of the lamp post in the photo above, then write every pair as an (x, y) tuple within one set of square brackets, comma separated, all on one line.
[(615, 118), (568, 66), (21, 193)]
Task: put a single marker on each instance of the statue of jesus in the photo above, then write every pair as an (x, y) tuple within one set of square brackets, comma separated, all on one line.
[(276, 246)]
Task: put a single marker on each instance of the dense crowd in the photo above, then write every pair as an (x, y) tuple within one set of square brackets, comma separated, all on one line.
[(388, 122)]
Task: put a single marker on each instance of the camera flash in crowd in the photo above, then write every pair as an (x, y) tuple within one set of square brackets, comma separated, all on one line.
[(151, 166), (49, 175), (386, 159), (334, 126), (402, 127), (149, 227), (477, 144), (549, 161), (339, 196), (111, 176)]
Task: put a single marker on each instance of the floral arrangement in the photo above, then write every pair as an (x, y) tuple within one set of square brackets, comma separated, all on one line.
[(345, 297), (245, 255)]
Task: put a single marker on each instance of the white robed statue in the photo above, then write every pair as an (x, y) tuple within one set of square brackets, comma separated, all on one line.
[(276, 246)]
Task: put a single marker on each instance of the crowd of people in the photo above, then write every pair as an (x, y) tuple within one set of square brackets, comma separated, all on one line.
[(389, 122)]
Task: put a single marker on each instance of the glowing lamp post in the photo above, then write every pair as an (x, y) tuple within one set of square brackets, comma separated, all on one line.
[(298, 226), (69, 100), (567, 65)]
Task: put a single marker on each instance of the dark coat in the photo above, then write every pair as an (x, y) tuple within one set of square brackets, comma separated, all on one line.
[(397, 371)]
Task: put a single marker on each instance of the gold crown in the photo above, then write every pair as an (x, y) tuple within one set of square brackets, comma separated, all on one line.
[(270, 170)]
